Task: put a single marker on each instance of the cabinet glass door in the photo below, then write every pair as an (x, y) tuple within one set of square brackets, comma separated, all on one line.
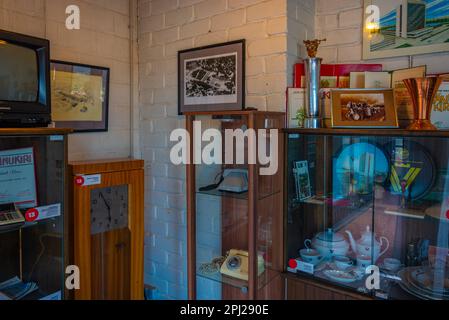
[(32, 173), (223, 209), (370, 213)]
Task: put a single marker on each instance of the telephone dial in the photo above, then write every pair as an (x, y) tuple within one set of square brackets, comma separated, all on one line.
[(236, 264)]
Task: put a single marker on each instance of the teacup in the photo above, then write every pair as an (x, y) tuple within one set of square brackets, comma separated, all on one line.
[(392, 264), (342, 262), (364, 261), (311, 256)]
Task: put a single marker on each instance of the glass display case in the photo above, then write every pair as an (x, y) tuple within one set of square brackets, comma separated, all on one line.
[(234, 210), (32, 226), (368, 211)]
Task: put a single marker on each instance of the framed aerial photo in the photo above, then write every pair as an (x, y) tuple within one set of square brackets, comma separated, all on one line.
[(80, 96), (212, 78), (363, 108), (405, 28)]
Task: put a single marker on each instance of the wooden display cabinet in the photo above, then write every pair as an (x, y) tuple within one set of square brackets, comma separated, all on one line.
[(35, 251), (108, 228), (220, 221), (373, 197)]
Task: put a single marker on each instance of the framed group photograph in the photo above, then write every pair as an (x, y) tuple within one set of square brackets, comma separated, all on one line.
[(363, 108), (212, 78), (80, 96), (405, 28)]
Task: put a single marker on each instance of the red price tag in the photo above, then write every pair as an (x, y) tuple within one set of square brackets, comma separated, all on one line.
[(79, 181), (31, 215), (447, 214), (293, 264)]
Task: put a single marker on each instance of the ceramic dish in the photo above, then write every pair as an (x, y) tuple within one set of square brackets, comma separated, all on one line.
[(408, 284), (340, 276), (424, 279)]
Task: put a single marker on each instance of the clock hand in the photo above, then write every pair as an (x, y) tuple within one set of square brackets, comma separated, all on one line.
[(107, 206), (104, 200)]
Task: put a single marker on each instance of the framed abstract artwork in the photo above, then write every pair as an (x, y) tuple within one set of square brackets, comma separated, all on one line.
[(405, 28), (212, 78), (80, 96)]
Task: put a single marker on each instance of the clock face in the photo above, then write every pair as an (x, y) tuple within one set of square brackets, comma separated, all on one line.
[(109, 209)]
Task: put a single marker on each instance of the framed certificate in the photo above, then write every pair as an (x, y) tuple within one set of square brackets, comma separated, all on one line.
[(18, 178)]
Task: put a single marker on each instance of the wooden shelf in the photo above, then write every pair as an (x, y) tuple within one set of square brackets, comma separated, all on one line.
[(33, 131), (105, 166), (233, 113), (369, 132)]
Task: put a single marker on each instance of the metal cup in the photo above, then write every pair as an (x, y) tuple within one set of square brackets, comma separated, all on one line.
[(313, 110), (422, 92)]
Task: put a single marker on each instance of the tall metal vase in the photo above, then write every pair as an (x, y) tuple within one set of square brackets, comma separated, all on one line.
[(313, 110), (422, 92)]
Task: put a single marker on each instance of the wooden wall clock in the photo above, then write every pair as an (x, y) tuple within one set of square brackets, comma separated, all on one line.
[(108, 228)]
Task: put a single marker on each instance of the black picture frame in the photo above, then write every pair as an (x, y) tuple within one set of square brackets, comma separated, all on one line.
[(234, 100), (81, 125)]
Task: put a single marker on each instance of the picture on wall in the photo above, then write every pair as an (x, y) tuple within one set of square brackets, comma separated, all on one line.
[(212, 78), (364, 108), (80, 96), (405, 28)]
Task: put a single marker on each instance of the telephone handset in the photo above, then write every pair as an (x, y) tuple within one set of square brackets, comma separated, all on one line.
[(236, 265)]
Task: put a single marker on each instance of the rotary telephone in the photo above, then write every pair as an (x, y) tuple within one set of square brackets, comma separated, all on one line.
[(231, 180), (236, 264)]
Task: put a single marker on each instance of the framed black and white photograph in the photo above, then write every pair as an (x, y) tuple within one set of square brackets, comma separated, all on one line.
[(212, 78)]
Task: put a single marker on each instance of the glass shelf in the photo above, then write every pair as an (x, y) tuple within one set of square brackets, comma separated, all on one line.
[(26, 225), (218, 193), (263, 280)]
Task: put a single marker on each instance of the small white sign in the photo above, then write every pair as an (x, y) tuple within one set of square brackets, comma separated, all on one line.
[(296, 265), (57, 138), (90, 180), (43, 213), (306, 267)]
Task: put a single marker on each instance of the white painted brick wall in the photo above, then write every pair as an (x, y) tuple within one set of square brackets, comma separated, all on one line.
[(103, 40), (341, 22), (165, 27)]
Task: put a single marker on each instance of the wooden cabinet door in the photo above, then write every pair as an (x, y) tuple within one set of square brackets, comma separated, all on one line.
[(110, 263)]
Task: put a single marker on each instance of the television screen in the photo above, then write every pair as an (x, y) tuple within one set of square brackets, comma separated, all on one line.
[(19, 78)]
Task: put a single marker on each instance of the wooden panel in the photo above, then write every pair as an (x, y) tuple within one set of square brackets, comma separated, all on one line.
[(33, 131), (82, 237), (302, 289), (104, 166), (233, 113), (111, 256), (191, 215)]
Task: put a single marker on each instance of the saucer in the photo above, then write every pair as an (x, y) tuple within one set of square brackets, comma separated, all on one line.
[(341, 276), (388, 270)]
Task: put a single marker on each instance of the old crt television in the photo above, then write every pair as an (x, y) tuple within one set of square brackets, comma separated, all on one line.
[(24, 81)]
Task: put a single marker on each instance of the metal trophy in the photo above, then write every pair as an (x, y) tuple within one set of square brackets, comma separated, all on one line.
[(312, 66)]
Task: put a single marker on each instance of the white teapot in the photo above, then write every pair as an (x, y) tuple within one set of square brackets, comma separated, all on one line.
[(367, 245)]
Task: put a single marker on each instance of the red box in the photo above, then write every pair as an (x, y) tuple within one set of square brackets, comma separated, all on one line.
[(334, 70)]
